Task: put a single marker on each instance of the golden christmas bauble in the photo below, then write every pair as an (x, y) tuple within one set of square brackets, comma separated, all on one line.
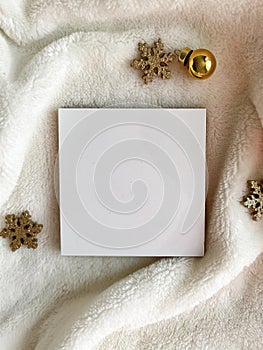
[(200, 63)]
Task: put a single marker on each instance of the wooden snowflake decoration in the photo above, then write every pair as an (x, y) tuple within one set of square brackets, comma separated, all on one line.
[(21, 230), (254, 199), (153, 61)]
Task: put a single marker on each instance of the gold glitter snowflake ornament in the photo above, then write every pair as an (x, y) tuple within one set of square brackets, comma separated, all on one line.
[(21, 230), (153, 61), (254, 199)]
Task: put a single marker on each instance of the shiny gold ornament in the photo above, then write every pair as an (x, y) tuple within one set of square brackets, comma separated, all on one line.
[(21, 230), (200, 63), (153, 61), (254, 199)]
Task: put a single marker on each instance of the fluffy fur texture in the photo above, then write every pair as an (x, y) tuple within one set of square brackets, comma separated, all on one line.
[(77, 53)]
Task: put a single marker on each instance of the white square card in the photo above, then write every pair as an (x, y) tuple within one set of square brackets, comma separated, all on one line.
[(132, 181)]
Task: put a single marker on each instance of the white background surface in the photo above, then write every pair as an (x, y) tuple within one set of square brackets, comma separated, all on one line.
[(76, 53)]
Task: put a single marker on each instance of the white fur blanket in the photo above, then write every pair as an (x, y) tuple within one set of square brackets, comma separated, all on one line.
[(59, 53)]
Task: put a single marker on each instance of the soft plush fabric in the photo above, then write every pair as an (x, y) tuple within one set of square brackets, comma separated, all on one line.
[(65, 53)]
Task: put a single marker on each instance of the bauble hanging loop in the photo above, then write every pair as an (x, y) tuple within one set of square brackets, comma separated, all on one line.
[(200, 63)]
